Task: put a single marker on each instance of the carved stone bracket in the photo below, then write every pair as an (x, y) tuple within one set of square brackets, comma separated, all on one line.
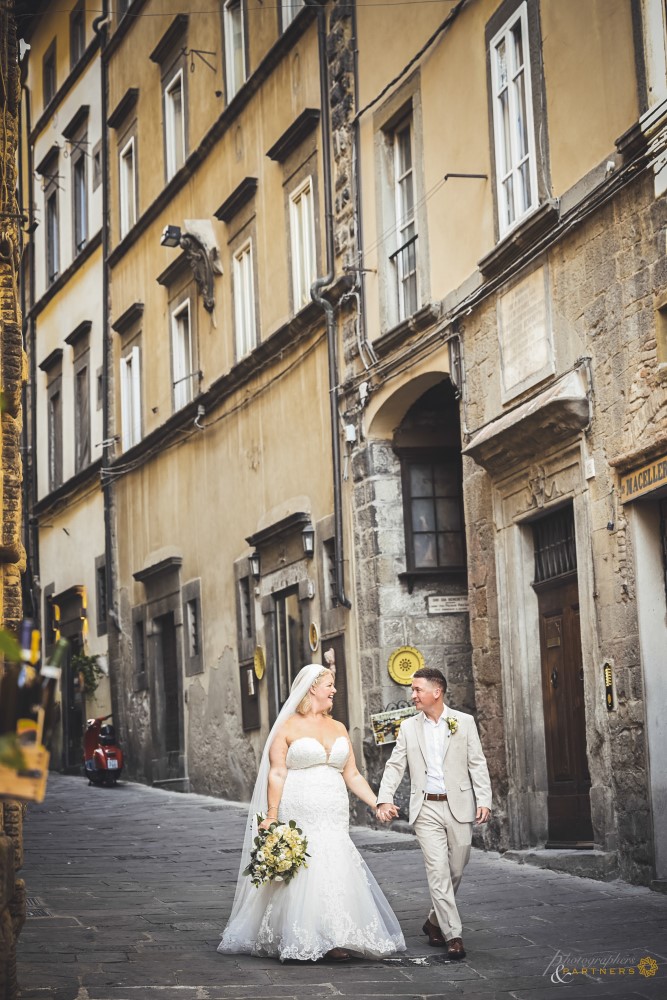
[(203, 262)]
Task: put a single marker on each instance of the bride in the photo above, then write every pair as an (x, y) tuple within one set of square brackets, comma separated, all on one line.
[(334, 908)]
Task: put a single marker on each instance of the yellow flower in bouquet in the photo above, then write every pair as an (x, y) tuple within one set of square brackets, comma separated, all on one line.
[(277, 854)]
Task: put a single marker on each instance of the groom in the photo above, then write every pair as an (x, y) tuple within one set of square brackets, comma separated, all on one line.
[(449, 788)]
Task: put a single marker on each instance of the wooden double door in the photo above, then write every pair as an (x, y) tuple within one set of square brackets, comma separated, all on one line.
[(569, 806)]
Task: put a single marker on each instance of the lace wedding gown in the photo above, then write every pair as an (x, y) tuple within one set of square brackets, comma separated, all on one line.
[(333, 903)]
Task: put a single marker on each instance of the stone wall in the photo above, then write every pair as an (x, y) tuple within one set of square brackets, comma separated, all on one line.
[(12, 556), (604, 276)]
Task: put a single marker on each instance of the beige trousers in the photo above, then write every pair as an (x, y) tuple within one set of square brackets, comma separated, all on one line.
[(445, 844)]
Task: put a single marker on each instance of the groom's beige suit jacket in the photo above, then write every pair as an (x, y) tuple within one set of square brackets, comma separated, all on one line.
[(464, 765)]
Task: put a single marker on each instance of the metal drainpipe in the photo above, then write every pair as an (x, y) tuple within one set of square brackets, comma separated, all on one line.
[(315, 294), (100, 29)]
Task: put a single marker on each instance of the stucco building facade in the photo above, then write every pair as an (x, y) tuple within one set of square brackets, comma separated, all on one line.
[(452, 449)]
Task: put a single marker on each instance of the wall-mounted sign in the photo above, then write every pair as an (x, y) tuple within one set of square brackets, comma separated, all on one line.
[(402, 664), (446, 604), (259, 663), (385, 725), (609, 686), (649, 477), (313, 637)]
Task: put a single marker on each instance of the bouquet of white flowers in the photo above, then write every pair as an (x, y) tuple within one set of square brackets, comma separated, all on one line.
[(278, 853)]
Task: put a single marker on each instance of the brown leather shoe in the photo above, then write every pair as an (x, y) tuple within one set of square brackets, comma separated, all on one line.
[(434, 934), (455, 949)]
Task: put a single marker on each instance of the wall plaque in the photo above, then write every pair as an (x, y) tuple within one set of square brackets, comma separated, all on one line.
[(449, 604), (524, 334)]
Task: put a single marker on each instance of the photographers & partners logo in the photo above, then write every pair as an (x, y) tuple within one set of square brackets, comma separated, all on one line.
[(567, 968)]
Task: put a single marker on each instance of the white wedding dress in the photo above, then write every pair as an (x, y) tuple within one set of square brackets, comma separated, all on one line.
[(333, 903)]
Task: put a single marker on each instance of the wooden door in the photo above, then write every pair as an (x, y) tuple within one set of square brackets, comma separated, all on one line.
[(568, 799)]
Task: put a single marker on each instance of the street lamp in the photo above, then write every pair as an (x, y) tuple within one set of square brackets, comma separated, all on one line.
[(308, 539), (256, 564)]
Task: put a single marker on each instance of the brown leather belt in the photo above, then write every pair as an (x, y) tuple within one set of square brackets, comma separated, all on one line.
[(433, 797)]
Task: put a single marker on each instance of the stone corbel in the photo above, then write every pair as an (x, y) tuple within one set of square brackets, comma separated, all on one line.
[(204, 262)]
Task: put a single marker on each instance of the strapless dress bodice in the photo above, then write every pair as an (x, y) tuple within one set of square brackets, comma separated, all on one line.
[(306, 751)]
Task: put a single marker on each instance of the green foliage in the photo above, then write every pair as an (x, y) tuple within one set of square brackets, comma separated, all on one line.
[(9, 646), (10, 752), (90, 668)]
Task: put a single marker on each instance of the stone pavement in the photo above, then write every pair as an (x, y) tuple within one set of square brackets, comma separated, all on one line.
[(130, 887)]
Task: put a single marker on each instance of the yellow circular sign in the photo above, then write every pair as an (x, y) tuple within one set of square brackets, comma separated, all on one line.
[(259, 663), (402, 664), (313, 637)]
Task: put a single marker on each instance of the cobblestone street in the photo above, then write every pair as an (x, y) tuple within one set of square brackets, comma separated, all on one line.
[(129, 889)]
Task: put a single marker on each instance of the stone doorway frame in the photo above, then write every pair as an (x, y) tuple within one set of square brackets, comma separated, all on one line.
[(529, 491)]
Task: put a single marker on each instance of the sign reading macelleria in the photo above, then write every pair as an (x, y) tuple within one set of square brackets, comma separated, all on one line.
[(524, 333)]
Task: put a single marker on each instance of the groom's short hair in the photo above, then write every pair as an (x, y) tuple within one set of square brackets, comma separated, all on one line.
[(433, 675)]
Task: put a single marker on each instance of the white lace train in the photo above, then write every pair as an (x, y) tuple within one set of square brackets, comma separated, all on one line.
[(333, 903)]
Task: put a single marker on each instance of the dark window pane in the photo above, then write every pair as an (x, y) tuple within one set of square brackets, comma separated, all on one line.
[(450, 549), (425, 551), (421, 481), (449, 515), (447, 480), (423, 516)]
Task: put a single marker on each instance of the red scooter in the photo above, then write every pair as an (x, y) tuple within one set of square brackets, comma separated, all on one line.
[(102, 757)]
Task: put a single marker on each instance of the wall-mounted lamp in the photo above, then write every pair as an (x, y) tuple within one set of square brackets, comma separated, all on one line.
[(308, 539), (171, 236), (201, 251), (256, 564)]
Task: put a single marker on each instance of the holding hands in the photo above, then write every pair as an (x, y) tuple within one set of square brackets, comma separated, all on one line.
[(386, 811)]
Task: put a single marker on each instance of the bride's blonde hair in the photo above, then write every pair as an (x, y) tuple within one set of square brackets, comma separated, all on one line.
[(304, 705)]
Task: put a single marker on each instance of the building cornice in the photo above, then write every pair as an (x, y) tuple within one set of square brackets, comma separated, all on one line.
[(294, 135), (169, 39), (123, 108), (78, 332), (128, 318), (76, 121), (239, 197)]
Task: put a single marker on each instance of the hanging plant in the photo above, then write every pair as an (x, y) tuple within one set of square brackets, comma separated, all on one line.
[(90, 669)]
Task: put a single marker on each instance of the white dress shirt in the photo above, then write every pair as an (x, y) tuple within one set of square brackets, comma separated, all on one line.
[(435, 736)]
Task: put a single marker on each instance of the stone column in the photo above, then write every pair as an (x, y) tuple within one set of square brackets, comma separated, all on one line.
[(12, 555)]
